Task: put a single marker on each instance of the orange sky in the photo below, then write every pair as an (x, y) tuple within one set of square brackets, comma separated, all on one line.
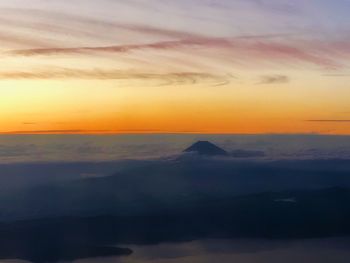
[(150, 67)]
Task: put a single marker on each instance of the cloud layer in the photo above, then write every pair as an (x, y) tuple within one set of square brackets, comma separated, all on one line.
[(56, 28)]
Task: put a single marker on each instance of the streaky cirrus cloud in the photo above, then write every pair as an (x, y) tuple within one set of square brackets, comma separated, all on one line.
[(184, 41), (330, 120), (244, 48), (162, 79), (274, 79), (91, 34)]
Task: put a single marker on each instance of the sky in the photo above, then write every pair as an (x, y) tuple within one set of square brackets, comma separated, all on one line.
[(174, 66)]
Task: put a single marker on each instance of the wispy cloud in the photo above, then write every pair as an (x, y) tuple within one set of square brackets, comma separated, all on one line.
[(163, 79), (243, 48), (336, 75), (48, 36), (46, 132), (29, 123), (274, 79), (329, 120), (11, 38), (187, 40), (278, 6)]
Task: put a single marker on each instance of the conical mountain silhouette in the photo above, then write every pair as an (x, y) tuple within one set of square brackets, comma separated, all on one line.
[(206, 148)]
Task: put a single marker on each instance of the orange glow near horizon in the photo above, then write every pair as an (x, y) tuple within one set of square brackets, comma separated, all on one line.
[(93, 109)]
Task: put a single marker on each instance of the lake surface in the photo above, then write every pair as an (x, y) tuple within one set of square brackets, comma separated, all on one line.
[(239, 251)]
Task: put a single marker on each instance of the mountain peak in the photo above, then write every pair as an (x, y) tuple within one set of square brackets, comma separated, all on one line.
[(206, 148)]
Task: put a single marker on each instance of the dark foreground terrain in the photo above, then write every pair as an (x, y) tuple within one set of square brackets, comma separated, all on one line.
[(150, 202), (287, 215)]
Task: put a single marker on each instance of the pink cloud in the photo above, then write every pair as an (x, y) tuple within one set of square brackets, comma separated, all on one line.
[(245, 48)]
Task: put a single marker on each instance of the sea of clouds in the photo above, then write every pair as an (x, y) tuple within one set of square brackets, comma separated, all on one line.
[(68, 148)]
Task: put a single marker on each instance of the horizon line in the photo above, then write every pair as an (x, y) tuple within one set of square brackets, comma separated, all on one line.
[(133, 132)]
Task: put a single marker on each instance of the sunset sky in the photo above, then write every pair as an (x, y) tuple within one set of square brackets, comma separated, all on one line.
[(175, 66)]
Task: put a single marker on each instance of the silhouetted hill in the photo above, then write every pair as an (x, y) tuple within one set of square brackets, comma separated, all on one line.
[(206, 148), (151, 185), (278, 215)]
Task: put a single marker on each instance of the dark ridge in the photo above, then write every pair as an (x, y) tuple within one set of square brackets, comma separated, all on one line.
[(52, 250), (274, 215), (206, 148)]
